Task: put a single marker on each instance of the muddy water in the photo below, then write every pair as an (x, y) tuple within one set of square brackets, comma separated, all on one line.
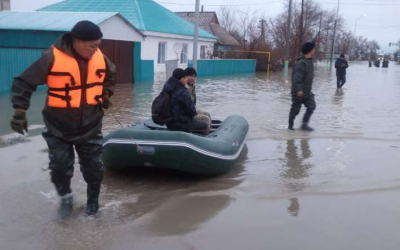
[(335, 188)]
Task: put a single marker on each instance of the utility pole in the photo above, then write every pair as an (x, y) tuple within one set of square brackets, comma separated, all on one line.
[(334, 34), (286, 66), (262, 31), (196, 30), (301, 26), (319, 34)]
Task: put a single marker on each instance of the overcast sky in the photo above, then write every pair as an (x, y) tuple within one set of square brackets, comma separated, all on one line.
[(382, 22)]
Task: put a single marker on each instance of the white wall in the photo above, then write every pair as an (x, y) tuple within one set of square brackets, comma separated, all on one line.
[(115, 28), (150, 48)]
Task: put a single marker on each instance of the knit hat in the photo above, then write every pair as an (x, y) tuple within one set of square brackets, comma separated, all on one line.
[(341, 56), (307, 47), (178, 74), (190, 71), (86, 31)]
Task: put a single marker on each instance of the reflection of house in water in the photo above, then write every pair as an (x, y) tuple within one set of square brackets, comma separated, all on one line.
[(296, 170)]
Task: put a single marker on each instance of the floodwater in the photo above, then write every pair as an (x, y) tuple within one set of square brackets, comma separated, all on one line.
[(335, 188)]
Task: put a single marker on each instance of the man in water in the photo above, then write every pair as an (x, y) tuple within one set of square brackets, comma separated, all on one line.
[(80, 81), (302, 80), (341, 65)]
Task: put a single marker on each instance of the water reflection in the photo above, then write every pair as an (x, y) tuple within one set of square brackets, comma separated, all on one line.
[(294, 207), (295, 170), (338, 98), (166, 202)]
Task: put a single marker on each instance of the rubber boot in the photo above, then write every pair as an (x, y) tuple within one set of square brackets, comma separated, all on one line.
[(291, 122), (305, 127), (93, 192), (66, 206)]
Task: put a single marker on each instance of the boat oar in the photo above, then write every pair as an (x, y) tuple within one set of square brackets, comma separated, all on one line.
[(139, 149)]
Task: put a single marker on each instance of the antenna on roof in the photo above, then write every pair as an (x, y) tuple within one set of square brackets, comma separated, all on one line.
[(177, 48)]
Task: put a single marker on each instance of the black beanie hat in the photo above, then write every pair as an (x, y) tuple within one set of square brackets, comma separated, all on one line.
[(178, 74), (86, 31), (190, 71), (307, 47), (341, 55)]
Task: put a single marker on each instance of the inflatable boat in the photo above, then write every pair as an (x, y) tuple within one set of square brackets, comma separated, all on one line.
[(146, 144)]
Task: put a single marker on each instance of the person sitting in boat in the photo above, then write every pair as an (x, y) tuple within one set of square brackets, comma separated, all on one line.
[(191, 74), (182, 107)]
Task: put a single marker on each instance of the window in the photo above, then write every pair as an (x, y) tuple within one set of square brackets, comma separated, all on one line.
[(184, 53), (161, 52), (202, 52)]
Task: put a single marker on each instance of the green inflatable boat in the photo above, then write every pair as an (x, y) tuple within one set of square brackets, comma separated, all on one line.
[(146, 144)]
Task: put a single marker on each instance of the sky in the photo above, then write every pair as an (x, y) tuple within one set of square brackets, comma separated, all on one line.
[(381, 23)]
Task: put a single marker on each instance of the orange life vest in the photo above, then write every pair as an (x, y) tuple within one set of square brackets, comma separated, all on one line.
[(64, 81)]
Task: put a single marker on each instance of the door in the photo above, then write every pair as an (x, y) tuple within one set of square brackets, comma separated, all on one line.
[(121, 54)]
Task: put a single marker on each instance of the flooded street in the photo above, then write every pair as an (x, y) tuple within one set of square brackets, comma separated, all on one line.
[(335, 188)]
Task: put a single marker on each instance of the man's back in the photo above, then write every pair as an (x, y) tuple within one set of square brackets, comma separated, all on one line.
[(182, 106)]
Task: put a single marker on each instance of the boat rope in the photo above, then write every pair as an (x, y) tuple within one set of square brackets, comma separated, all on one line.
[(140, 149)]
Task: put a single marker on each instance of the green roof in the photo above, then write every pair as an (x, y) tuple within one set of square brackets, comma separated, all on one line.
[(48, 21), (145, 15)]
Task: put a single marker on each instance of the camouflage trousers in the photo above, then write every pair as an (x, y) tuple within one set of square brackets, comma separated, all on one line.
[(203, 116)]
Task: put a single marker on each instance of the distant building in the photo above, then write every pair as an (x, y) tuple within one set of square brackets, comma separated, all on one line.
[(5, 5), (208, 21)]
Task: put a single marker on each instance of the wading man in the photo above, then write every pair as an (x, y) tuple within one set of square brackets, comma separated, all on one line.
[(302, 79), (341, 65), (80, 82)]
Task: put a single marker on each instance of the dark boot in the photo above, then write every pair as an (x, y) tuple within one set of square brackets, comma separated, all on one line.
[(305, 127), (93, 192), (291, 121), (66, 206)]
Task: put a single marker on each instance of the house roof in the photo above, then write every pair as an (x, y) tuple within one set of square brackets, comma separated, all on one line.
[(48, 21), (205, 19), (209, 22), (224, 38), (145, 15)]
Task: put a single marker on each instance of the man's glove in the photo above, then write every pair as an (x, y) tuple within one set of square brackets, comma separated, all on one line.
[(106, 104), (19, 122)]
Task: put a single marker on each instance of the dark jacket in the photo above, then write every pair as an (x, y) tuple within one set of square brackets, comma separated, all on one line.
[(182, 106), (303, 75), (67, 123), (341, 65)]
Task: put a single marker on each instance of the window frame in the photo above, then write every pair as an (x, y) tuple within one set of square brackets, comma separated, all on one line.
[(159, 59)]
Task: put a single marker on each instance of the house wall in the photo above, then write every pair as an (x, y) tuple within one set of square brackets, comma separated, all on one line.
[(150, 48), (115, 28), (18, 50)]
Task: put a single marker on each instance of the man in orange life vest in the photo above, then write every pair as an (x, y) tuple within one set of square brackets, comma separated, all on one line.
[(80, 82)]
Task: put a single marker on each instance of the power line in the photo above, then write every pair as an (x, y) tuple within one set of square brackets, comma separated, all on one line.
[(380, 27), (264, 3), (394, 3), (359, 4)]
